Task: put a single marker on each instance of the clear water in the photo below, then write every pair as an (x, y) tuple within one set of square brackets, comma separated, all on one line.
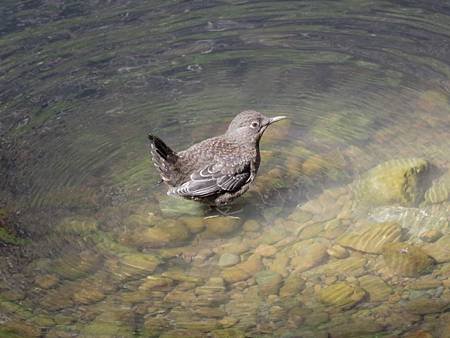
[(83, 83)]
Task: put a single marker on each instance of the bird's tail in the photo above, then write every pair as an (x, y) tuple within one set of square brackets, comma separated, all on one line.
[(164, 159)]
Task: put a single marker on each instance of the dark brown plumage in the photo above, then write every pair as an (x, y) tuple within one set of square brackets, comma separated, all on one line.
[(216, 170)]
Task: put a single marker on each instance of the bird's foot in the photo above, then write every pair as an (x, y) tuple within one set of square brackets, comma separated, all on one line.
[(225, 211)]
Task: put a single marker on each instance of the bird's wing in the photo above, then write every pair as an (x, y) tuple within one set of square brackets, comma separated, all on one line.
[(214, 179)]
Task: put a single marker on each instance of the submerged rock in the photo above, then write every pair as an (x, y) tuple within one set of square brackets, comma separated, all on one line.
[(372, 237), (431, 236), (328, 205), (46, 281), (88, 295), (423, 306), (351, 266), (135, 264), (377, 289), (338, 252), (228, 259), (171, 206), (266, 250), (77, 225), (73, 266), (292, 286), (342, 295), (251, 226), (396, 181), (268, 282), (155, 282), (439, 191), (414, 221), (406, 260), (221, 226), (308, 254), (439, 250), (169, 233), (244, 270)]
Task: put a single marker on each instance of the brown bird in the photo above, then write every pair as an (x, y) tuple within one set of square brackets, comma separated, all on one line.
[(219, 169)]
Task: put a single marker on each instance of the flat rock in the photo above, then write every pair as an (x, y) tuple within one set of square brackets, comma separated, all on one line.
[(397, 181), (372, 237), (46, 281), (377, 289), (423, 306), (87, 295), (170, 233), (268, 282), (439, 250), (244, 270), (406, 260), (228, 259), (292, 286), (338, 252), (308, 254), (342, 295), (221, 226), (265, 250), (351, 266)]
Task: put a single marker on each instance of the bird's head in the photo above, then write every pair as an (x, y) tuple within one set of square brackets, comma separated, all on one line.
[(250, 125)]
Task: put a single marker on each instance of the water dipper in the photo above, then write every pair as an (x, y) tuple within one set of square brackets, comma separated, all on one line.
[(219, 169)]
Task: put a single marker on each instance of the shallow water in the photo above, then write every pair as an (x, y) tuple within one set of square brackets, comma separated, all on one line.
[(346, 230)]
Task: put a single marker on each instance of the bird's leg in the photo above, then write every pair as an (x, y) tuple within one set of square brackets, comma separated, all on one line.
[(225, 211)]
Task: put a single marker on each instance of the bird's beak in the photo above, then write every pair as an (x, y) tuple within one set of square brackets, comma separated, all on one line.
[(276, 118)]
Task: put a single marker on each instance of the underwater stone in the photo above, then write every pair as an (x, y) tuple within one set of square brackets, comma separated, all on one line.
[(19, 328), (268, 282), (351, 266), (338, 252), (138, 263), (327, 205), (377, 289), (431, 236), (73, 266), (251, 226), (228, 333), (342, 295), (406, 260), (423, 306), (273, 234), (182, 276), (280, 263), (155, 282), (172, 206), (439, 191), (439, 250), (221, 226), (194, 224), (88, 295), (371, 238), (77, 225), (170, 233), (46, 281), (396, 181), (265, 250), (57, 299), (244, 270), (300, 216), (308, 254), (228, 259), (293, 285), (414, 220)]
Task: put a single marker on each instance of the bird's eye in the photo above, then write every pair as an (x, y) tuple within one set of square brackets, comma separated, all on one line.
[(254, 124)]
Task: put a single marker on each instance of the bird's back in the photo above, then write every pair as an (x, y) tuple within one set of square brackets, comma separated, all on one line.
[(213, 167)]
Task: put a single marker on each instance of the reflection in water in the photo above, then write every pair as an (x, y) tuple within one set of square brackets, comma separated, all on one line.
[(346, 230)]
